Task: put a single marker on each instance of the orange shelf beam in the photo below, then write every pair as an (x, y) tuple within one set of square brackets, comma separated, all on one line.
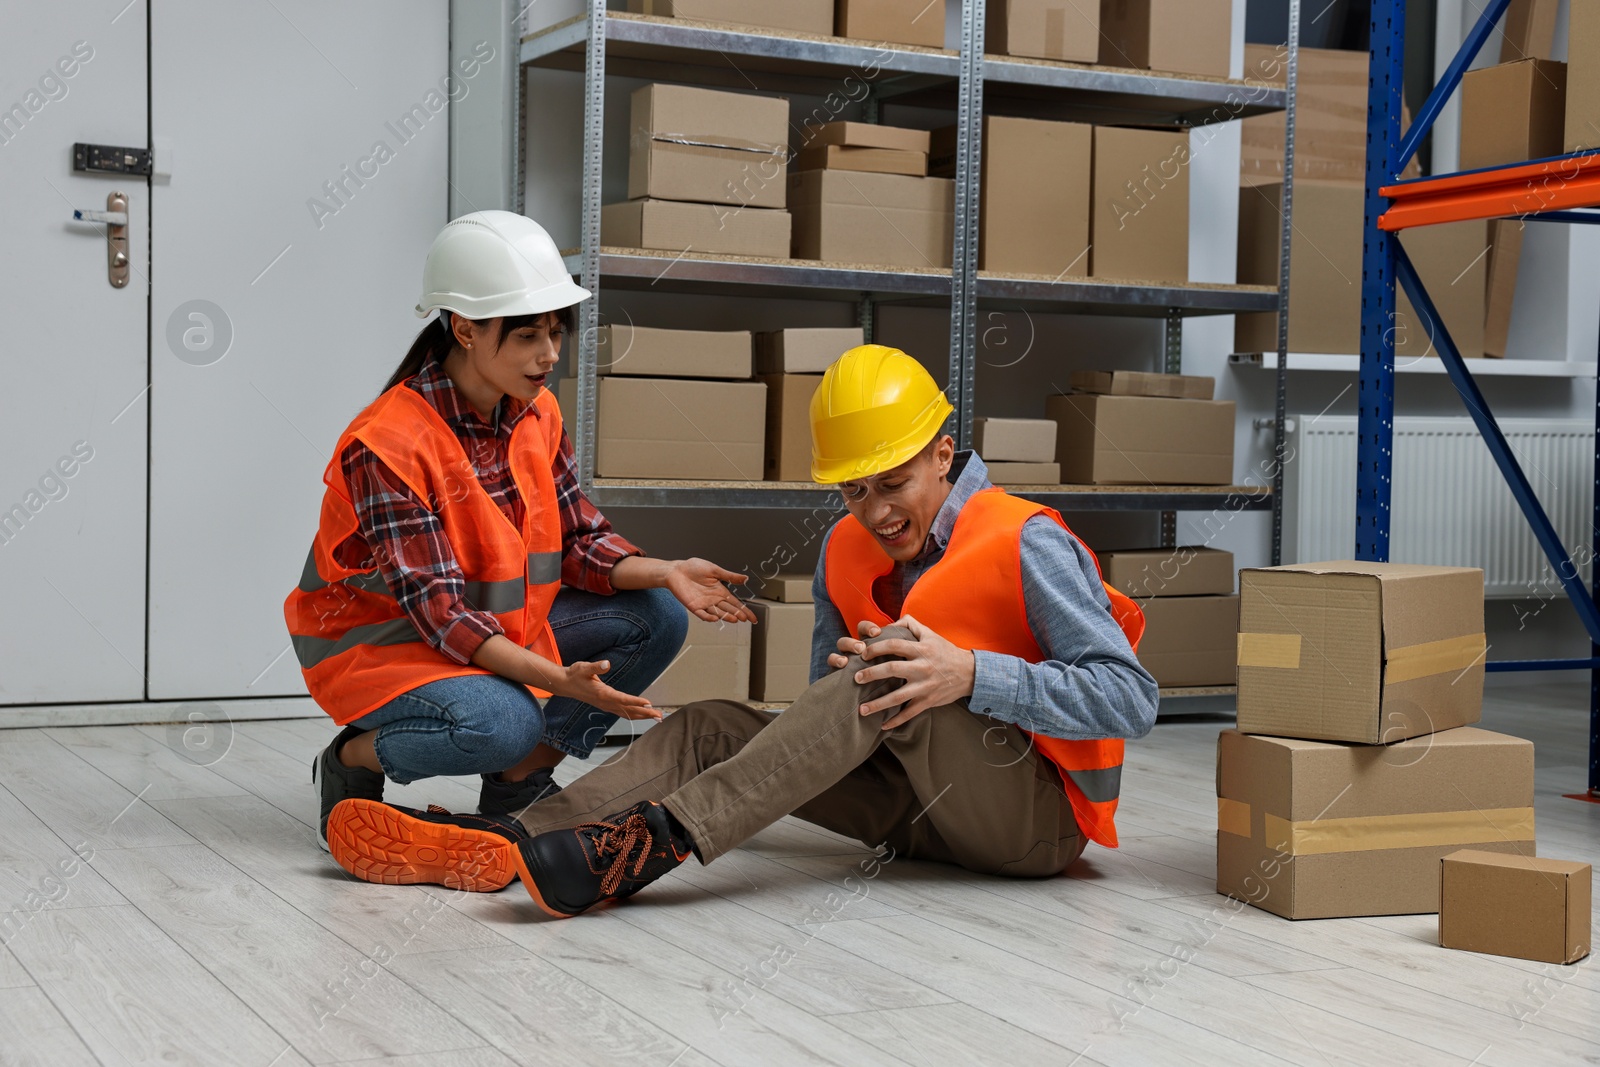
[(1522, 189)]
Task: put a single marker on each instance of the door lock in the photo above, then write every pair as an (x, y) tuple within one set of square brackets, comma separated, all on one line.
[(115, 220)]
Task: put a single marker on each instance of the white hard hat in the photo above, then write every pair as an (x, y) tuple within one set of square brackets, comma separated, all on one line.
[(489, 264)]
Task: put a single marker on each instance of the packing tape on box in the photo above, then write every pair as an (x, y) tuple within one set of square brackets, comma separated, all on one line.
[(1314, 837), (1233, 816), (1269, 650), (1433, 657), (642, 137)]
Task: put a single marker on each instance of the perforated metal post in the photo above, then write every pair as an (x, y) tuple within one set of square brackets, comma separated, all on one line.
[(594, 101), (1375, 398), (964, 248), (1171, 363), (1286, 237)]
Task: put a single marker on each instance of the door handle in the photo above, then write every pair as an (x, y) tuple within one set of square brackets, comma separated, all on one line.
[(115, 219)]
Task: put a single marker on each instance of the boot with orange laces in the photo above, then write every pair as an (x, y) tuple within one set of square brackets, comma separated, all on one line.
[(565, 871)]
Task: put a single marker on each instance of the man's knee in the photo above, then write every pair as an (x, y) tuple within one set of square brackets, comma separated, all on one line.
[(891, 633)]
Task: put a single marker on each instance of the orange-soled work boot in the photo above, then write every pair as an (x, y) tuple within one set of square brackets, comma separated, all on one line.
[(386, 843)]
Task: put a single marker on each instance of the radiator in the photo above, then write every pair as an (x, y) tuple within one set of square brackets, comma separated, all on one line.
[(1450, 504)]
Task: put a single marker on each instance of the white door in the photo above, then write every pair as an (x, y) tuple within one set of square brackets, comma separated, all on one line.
[(73, 360), (309, 176)]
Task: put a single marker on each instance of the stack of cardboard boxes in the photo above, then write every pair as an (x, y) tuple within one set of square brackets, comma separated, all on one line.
[(790, 364), (1191, 615), (707, 172), (780, 664), (714, 664), (1063, 200), (860, 194), (1170, 36), (1355, 768), (1134, 428), (1018, 451)]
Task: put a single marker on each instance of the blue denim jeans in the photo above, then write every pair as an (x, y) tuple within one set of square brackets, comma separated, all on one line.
[(482, 723)]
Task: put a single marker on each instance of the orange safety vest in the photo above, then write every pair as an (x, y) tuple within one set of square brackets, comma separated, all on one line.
[(973, 598), (357, 647)]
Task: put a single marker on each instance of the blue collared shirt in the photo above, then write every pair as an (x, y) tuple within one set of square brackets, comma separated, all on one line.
[(1089, 685)]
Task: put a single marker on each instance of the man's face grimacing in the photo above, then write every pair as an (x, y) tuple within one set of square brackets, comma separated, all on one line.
[(898, 506)]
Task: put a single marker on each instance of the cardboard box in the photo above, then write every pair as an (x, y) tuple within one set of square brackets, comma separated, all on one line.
[(1503, 263), (1188, 640), (1140, 224), (1330, 139), (650, 352), (1034, 206), (891, 219), (1175, 36), (1581, 125), (918, 22), (780, 650), (1144, 383), (867, 135), (1325, 273), (789, 426), (1015, 440), (713, 665), (868, 160), (802, 16), (1513, 113), (1529, 30), (1314, 830), (678, 227), (804, 350), (1185, 571), (1007, 472), (1510, 905), (1142, 440), (1359, 651), (676, 427), (1044, 29), (786, 588), (708, 146)]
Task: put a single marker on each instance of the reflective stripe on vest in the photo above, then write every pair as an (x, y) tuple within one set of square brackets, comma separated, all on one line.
[(973, 597), (357, 646)]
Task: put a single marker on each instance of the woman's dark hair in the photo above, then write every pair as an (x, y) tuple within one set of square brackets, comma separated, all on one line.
[(434, 341)]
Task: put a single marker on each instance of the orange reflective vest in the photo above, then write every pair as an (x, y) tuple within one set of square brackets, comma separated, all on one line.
[(357, 647), (973, 598)]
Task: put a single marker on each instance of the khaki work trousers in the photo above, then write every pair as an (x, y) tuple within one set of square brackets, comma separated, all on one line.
[(948, 786)]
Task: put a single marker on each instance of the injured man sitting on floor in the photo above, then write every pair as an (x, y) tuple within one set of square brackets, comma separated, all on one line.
[(973, 683)]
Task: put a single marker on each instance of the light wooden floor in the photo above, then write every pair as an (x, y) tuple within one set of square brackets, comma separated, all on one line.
[(205, 926)]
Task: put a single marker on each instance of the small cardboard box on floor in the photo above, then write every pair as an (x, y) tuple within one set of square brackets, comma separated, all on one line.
[(1317, 829), (646, 351), (1140, 218), (803, 16), (1189, 640), (1160, 572), (678, 428), (1511, 905), (1142, 440), (780, 649), (1174, 36), (1044, 29), (918, 22), (705, 145), (804, 350), (854, 217), (1358, 651), (713, 665)]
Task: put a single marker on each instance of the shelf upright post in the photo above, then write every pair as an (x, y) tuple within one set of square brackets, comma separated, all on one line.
[(1375, 398), (1594, 591), (964, 247), (1171, 363), (594, 101), (1286, 208)]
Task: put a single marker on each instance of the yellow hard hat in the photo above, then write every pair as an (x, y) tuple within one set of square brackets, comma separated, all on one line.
[(876, 408)]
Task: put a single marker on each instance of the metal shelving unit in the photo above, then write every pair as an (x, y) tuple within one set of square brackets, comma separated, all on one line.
[(600, 42), (1549, 190)]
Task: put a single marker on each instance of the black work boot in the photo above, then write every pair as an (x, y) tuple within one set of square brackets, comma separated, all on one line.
[(513, 798), (569, 871), (334, 782), (391, 845)]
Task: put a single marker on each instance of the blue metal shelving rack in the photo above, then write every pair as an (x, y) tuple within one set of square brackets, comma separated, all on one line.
[(1554, 190)]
